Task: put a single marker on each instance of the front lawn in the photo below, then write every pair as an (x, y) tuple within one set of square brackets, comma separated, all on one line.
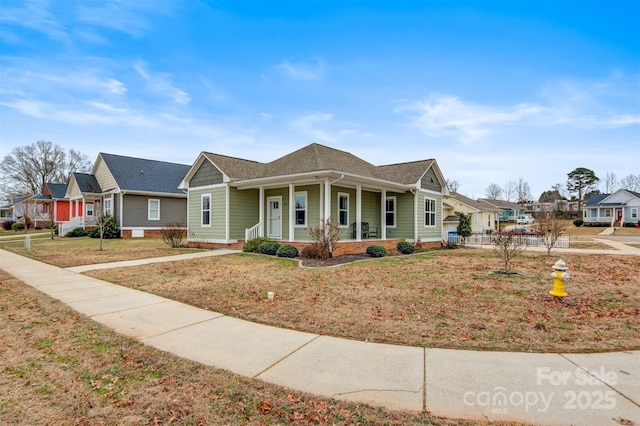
[(443, 299), (65, 252)]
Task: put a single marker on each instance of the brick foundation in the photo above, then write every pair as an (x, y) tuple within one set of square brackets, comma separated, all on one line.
[(341, 248)]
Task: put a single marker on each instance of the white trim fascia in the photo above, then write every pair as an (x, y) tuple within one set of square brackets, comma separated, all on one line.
[(284, 180), (205, 187), (291, 211), (156, 194)]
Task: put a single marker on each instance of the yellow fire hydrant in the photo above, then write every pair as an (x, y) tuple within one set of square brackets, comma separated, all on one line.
[(559, 277)]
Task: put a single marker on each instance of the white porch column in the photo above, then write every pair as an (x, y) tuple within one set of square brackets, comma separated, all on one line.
[(292, 211), (261, 210), (358, 213), (383, 214), (84, 206), (321, 189), (327, 199)]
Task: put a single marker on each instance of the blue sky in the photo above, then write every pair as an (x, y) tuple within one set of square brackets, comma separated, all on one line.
[(495, 91)]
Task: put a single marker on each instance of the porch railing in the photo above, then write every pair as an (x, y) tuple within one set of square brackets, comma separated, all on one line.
[(253, 232), (76, 222)]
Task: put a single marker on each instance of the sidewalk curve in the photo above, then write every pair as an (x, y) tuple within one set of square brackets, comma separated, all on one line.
[(553, 389)]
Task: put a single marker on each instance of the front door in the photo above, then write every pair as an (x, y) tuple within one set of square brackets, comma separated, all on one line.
[(274, 219)]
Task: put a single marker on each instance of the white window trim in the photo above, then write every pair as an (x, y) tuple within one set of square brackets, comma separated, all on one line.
[(149, 210), (634, 213), (89, 207), (343, 194), (202, 210), (607, 213), (108, 211), (425, 211), (306, 210), (395, 211)]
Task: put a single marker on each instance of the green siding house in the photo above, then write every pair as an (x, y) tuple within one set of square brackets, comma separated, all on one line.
[(230, 200)]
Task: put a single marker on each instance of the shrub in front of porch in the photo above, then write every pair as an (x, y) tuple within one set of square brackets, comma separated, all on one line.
[(270, 248), (578, 222), (287, 251), (253, 245), (405, 247), (376, 251), (77, 232)]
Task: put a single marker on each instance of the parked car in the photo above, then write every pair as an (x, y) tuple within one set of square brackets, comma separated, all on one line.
[(524, 220), (522, 231)]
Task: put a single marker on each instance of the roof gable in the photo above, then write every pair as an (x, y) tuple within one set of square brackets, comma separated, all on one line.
[(56, 190), (407, 173), (621, 196), (86, 183), (316, 157), (137, 174)]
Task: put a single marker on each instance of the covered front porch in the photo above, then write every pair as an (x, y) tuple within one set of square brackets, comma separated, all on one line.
[(365, 210), (82, 214)]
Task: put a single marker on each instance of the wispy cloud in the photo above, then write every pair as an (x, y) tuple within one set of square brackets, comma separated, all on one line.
[(129, 17), (441, 115), (322, 127), (594, 105), (34, 15), (160, 83), (301, 71)]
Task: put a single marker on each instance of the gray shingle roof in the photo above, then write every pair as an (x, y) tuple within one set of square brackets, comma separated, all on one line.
[(87, 183), (595, 199), (137, 174), (477, 204), (58, 190), (502, 204), (316, 157)]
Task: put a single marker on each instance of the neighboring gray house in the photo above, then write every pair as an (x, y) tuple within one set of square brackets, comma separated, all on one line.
[(142, 195), (233, 199)]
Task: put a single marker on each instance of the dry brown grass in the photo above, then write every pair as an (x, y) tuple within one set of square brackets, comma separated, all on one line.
[(440, 299), (65, 252), (58, 367)]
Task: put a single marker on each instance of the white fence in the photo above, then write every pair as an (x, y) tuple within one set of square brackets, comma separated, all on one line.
[(529, 240)]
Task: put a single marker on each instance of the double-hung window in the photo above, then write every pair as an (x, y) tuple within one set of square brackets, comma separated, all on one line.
[(107, 206), (634, 213), (301, 209), (429, 212), (205, 216), (343, 209), (89, 208), (154, 209), (390, 212)]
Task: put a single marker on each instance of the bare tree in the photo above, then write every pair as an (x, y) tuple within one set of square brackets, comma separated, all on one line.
[(493, 191), (453, 185), (550, 228), (324, 236), (523, 191), (508, 246), (610, 183), (28, 168), (510, 191), (631, 183)]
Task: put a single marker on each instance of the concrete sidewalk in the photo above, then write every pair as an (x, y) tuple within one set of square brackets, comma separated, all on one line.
[(563, 389)]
